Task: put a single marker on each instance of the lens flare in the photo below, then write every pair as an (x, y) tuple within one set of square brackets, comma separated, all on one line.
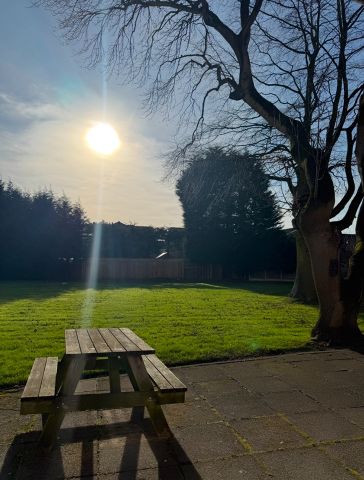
[(103, 139)]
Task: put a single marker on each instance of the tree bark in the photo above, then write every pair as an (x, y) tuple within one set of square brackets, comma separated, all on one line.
[(315, 200), (323, 245), (353, 285), (339, 299), (304, 287)]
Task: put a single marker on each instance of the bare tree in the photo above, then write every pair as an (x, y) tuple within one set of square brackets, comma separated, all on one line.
[(283, 75)]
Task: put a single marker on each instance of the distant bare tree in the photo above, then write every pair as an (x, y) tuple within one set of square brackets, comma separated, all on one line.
[(282, 75)]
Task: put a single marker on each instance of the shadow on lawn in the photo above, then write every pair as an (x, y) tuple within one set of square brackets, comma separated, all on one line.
[(34, 290), (76, 455)]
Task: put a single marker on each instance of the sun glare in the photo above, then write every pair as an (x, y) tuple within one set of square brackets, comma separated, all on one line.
[(103, 139)]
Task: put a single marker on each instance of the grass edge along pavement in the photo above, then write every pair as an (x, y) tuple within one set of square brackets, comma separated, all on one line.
[(185, 322)]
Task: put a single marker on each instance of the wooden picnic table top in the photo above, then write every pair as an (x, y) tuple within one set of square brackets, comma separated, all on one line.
[(105, 342)]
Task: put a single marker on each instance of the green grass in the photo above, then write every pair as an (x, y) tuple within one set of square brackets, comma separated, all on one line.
[(184, 322)]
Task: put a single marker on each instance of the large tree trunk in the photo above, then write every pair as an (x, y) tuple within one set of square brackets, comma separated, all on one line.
[(316, 198), (323, 245), (339, 300), (353, 285), (304, 287)]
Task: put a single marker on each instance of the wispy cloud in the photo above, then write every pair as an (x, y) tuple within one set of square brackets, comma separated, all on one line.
[(16, 114)]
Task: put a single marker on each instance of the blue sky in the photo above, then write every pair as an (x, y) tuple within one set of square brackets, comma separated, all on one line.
[(48, 100)]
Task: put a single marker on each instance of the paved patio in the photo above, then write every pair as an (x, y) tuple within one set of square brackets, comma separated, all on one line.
[(294, 416)]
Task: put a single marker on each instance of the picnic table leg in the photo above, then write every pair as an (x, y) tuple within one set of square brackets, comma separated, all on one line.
[(71, 375), (137, 415), (44, 419), (114, 375), (141, 378)]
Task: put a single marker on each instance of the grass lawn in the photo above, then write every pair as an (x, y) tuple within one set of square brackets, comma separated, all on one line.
[(184, 322)]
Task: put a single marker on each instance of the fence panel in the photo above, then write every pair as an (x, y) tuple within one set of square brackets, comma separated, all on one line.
[(123, 269), (119, 269)]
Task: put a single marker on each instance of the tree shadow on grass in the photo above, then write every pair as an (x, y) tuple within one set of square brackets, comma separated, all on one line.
[(76, 454), (279, 289), (39, 291), (34, 290)]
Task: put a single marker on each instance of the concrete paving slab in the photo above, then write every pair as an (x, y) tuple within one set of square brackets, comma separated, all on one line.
[(215, 387), (265, 385), (269, 433), (240, 405), (303, 464), (239, 468), (243, 370), (208, 443), (291, 402), (65, 461), (195, 413), (168, 473), (133, 452), (338, 397), (199, 373), (326, 426), (351, 454), (355, 415)]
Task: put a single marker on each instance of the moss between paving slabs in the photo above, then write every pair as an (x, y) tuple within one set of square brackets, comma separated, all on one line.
[(184, 322)]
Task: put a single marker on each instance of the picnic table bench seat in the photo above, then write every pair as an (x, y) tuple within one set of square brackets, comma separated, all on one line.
[(162, 377), (41, 385)]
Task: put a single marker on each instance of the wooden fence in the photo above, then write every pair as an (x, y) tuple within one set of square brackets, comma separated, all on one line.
[(177, 269), (123, 269), (271, 276)]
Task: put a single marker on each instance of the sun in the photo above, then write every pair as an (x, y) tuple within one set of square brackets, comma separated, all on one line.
[(103, 138)]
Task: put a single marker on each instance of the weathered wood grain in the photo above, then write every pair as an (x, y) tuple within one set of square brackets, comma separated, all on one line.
[(144, 347), (166, 372), (125, 341), (34, 382), (85, 341), (99, 343), (112, 342), (72, 345), (48, 386)]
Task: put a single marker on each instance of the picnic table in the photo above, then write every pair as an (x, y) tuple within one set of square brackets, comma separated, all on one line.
[(50, 389)]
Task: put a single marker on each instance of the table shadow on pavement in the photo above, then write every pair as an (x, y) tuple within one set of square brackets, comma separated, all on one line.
[(77, 451)]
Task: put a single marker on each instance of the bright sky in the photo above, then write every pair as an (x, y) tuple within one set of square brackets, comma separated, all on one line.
[(48, 100)]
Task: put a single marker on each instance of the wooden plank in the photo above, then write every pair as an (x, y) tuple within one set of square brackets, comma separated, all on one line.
[(72, 373), (114, 375), (97, 401), (167, 373), (137, 414), (125, 341), (48, 387), (39, 405), (72, 345), (34, 382), (156, 376), (144, 347), (144, 384), (99, 343), (97, 364), (85, 341), (111, 341)]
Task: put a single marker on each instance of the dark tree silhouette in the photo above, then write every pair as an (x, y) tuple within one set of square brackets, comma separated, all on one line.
[(40, 234), (120, 240), (230, 216), (288, 75)]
